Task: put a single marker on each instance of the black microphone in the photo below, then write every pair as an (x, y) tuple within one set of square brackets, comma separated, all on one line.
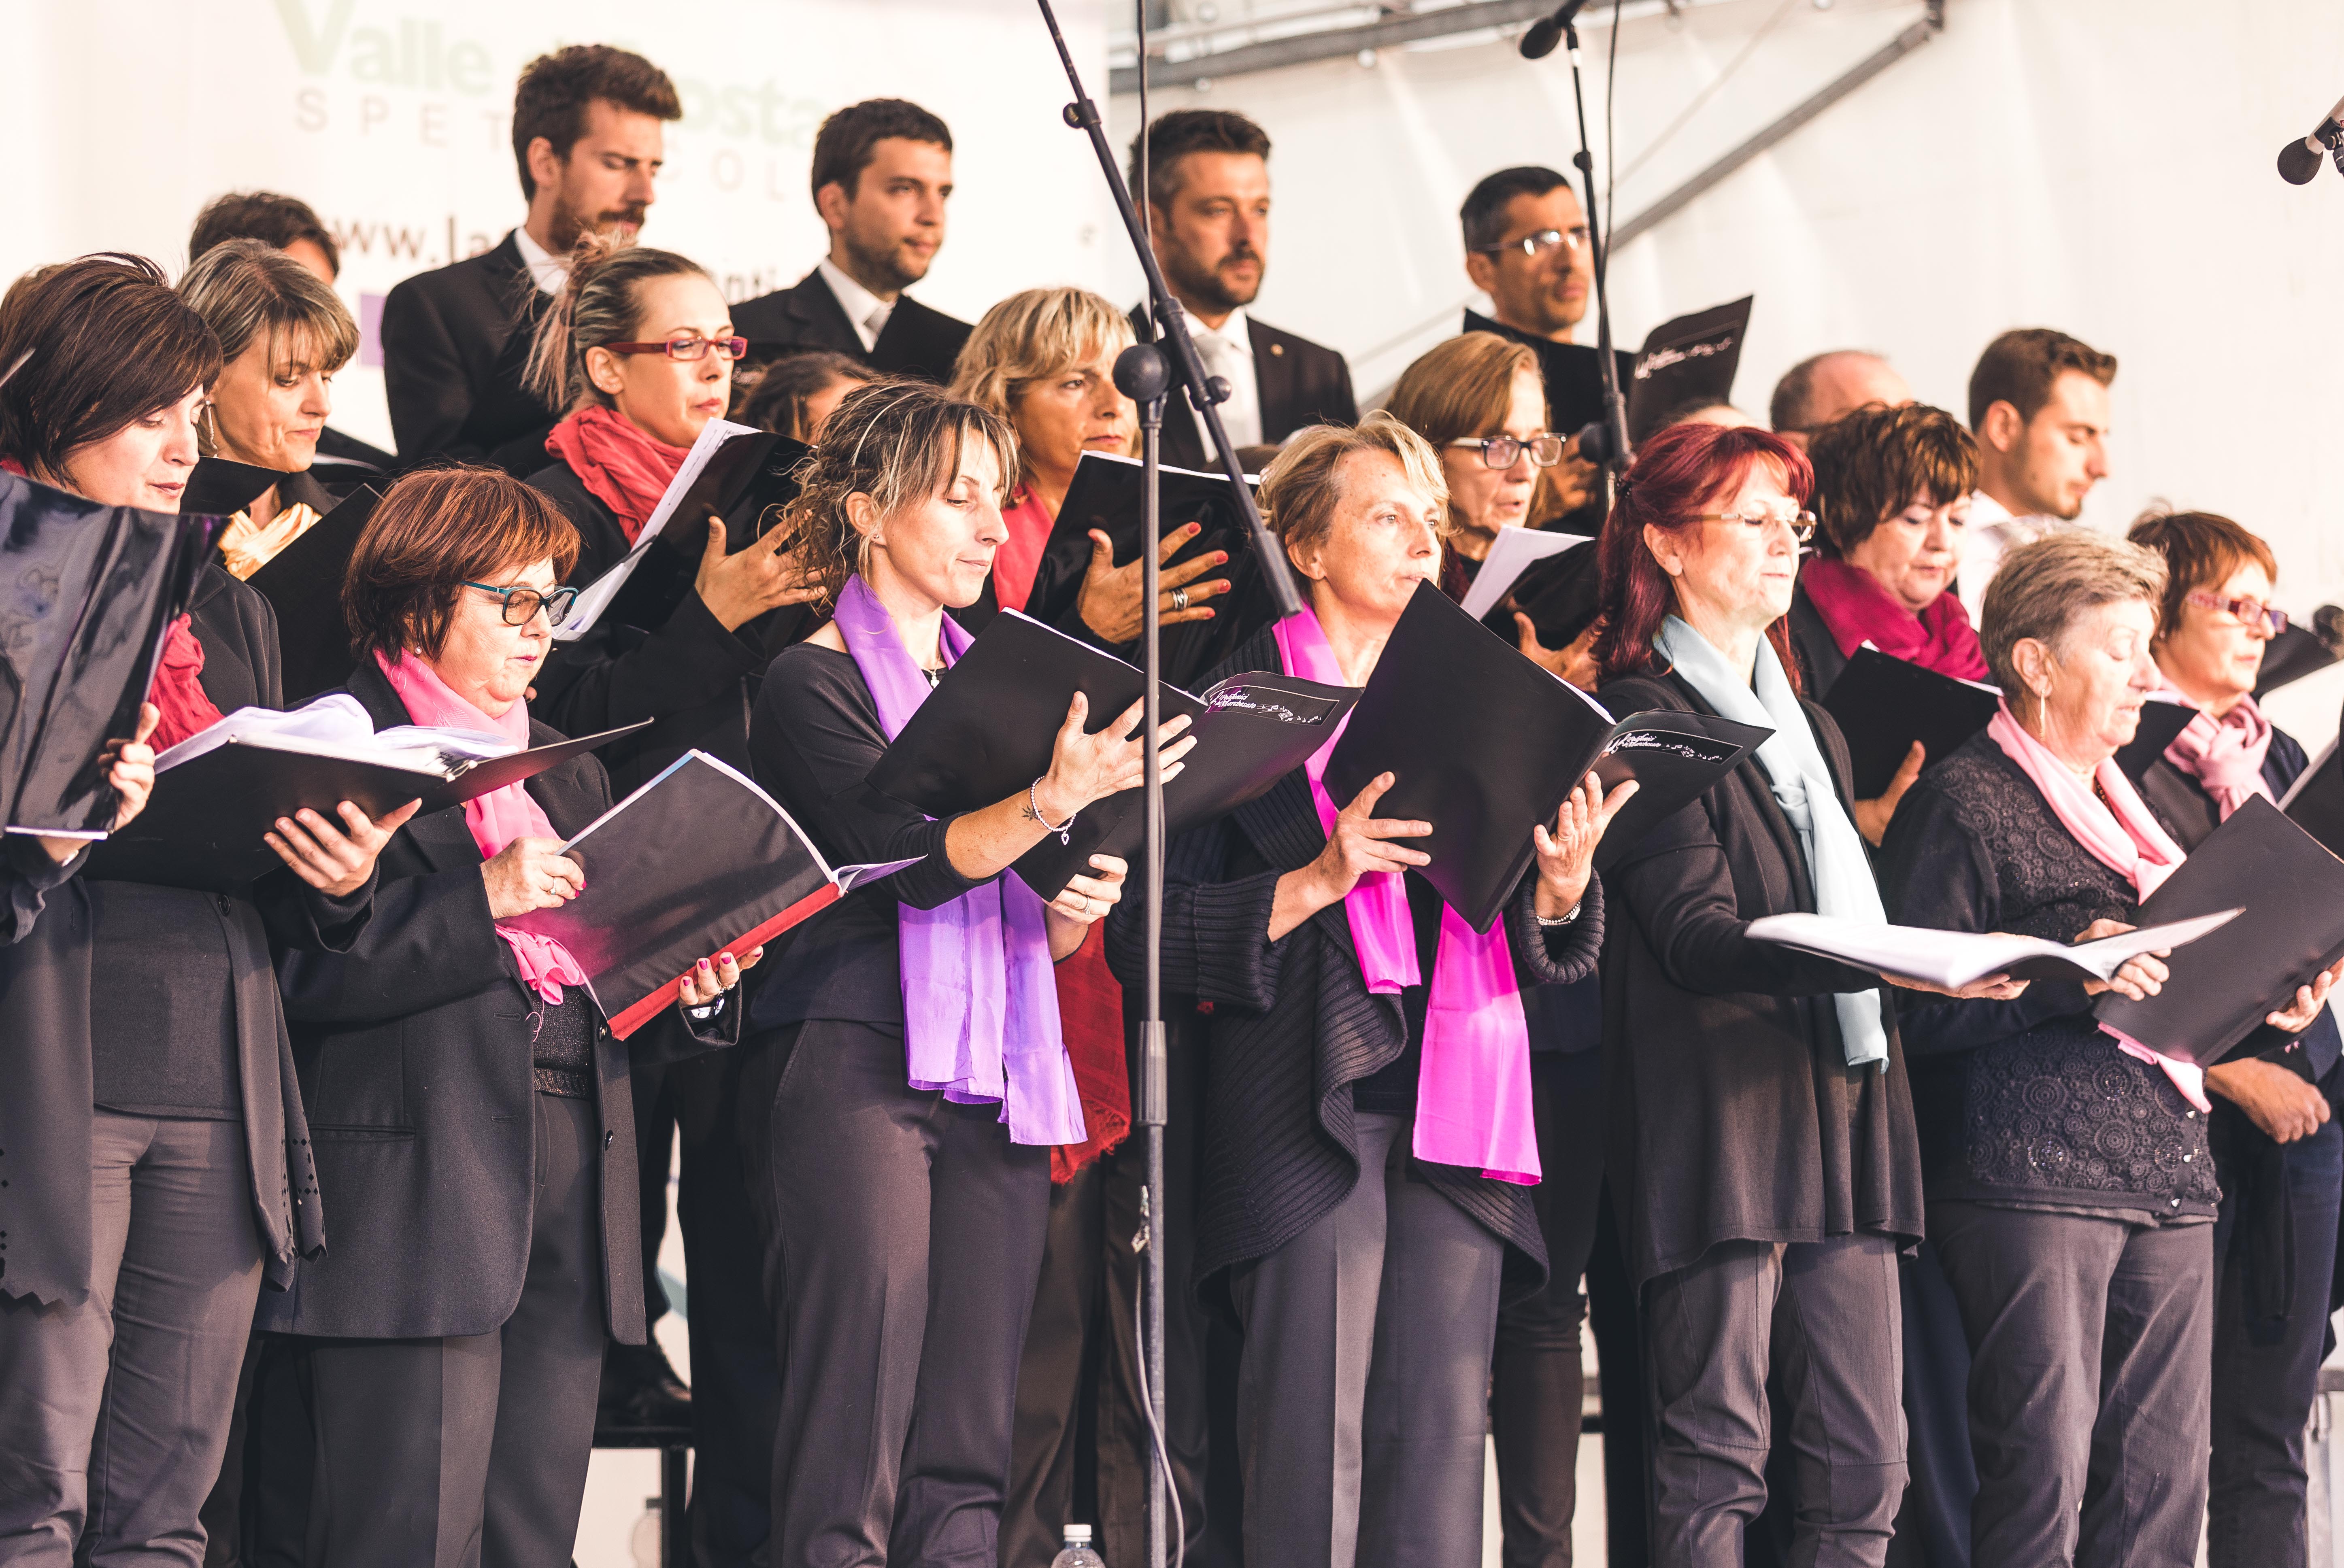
[(1544, 34), (2298, 161)]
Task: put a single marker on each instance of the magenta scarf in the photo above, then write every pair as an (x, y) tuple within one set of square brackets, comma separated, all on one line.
[(1857, 609), (497, 817), (2120, 834), (980, 995), (2224, 755), (1473, 1082)]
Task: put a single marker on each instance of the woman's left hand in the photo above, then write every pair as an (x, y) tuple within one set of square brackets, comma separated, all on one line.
[(1109, 600), (2309, 1000), (707, 981), (1566, 857), (336, 863), (1089, 898)]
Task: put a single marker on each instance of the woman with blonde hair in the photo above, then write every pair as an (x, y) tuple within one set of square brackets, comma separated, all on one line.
[(283, 337), (1044, 360)]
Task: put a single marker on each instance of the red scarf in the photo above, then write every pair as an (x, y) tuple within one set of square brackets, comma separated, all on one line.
[(178, 688), (1029, 521), (1856, 610), (625, 470)]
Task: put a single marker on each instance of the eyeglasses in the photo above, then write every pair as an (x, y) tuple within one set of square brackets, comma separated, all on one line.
[(1504, 451), (521, 604), (686, 347), (1801, 524), (2250, 612), (1537, 245)]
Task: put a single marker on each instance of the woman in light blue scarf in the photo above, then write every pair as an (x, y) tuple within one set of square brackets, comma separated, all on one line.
[(1763, 1149)]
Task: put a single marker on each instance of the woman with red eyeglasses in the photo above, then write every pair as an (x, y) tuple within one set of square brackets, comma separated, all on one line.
[(639, 349), (2278, 1152)]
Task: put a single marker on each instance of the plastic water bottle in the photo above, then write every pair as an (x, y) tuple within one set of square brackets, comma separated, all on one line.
[(1077, 1553), (643, 1543)]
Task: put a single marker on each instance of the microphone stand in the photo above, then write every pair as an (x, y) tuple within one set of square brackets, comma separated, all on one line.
[(1610, 448), (1145, 373)]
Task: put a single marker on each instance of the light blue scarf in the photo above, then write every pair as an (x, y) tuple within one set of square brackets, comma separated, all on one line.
[(1795, 766)]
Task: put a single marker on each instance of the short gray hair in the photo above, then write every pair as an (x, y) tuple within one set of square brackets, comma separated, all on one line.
[(2042, 589)]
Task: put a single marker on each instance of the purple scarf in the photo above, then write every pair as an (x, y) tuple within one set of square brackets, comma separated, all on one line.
[(980, 996), (1473, 1081)]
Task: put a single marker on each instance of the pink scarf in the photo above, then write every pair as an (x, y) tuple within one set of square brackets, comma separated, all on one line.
[(1857, 609), (2224, 755), (497, 817), (1473, 1083), (2121, 835)]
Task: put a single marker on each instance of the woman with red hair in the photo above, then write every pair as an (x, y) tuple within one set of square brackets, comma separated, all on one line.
[(1763, 1149)]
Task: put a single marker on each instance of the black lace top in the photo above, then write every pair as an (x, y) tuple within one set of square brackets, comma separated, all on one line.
[(2026, 1103)]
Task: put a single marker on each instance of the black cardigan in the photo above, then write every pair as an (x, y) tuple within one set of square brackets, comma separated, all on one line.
[(1733, 1113), (2026, 1102), (1812, 643), (46, 977), (414, 1051), (1293, 1027), (695, 679)]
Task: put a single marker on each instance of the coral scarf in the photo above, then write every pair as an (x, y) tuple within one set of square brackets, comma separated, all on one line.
[(2120, 834), (1473, 1079), (625, 470), (1857, 609), (2224, 755), (1014, 564), (980, 1000), (497, 817)]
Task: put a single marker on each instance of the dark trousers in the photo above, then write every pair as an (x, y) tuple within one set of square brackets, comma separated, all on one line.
[(1363, 1392), (2091, 1344), (113, 1413), (655, 1121), (1536, 1382), (1822, 1319), (1200, 1349), (2274, 1252), (736, 1382), (1616, 1319), (903, 1235), (1933, 1526), (1053, 1375), (469, 1449)]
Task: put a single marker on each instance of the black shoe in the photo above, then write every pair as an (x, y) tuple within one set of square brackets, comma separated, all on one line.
[(640, 1389)]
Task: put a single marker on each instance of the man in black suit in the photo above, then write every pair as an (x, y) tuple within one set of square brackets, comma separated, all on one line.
[(1208, 196), (881, 172), (1526, 246), (587, 136)]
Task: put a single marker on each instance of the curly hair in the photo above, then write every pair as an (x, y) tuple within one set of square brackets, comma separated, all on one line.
[(1871, 464), (897, 441)]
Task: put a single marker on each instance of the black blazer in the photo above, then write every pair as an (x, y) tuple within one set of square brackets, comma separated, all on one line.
[(1293, 1025), (454, 340), (1812, 643), (1298, 381), (413, 1048), (1733, 1113), (45, 1018), (694, 678), (916, 340)]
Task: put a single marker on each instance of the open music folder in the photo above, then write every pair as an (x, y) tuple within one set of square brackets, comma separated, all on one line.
[(1486, 745), (699, 861), (990, 728), (1955, 958)]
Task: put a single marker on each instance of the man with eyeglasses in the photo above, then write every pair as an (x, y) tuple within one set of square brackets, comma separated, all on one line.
[(1207, 190), (587, 136), (1526, 247)]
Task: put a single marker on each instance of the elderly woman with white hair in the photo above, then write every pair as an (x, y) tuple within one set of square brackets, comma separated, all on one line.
[(2070, 1190)]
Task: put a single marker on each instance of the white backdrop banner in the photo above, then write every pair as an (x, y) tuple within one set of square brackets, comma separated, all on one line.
[(392, 118)]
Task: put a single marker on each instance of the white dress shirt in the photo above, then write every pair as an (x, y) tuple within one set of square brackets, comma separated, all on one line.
[(1228, 352), (865, 311), (1993, 533), (547, 270)]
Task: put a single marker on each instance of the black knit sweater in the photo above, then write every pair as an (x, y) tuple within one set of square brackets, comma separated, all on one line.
[(2026, 1102)]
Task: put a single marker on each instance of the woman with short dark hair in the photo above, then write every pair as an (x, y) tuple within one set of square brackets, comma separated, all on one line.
[(796, 394), (2278, 1150), (471, 1113), (1762, 1151), (2071, 1195), (154, 1160)]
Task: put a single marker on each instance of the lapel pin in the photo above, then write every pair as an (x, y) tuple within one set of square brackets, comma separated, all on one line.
[(1277, 351)]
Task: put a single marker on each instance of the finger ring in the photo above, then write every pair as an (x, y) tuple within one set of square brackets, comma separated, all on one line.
[(1179, 599)]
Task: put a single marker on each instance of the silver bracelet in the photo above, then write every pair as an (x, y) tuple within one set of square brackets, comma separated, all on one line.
[(1563, 919), (1033, 810)]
